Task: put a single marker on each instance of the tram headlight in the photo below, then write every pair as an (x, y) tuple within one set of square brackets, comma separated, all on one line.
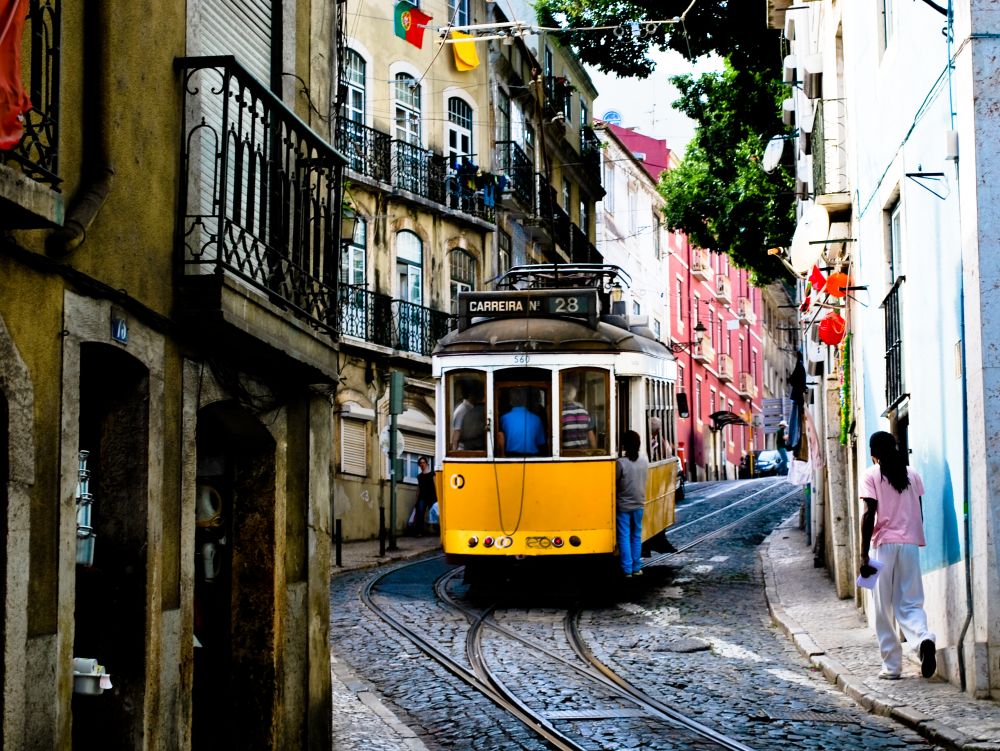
[(473, 541), (488, 542), (574, 541), (557, 542)]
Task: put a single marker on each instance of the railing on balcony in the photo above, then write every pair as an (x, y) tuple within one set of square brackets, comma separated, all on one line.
[(368, 150), (464, 192), (518, 169), (557, 92), (746, 386), (701, 264), (703, 351), (744, 311), (419, 171), (723, 288), (416, 328), (590, 150), (725, 367), (36, 155), (894, 386), (259, 190), (365, 314)]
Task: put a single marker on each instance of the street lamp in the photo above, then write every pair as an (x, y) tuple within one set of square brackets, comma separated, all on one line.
[(699, 334), (348, 223)]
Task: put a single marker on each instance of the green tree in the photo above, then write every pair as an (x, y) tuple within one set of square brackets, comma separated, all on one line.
[(719, 195)]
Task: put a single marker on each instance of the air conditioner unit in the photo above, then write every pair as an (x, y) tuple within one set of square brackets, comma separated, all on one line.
[(812, 76)]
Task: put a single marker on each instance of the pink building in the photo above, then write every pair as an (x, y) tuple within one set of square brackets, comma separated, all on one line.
[(720, 370)]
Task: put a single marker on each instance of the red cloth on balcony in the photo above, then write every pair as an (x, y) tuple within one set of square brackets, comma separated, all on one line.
[(14, 100)]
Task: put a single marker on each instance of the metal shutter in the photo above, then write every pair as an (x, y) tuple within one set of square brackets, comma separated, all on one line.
[(353, 446), (237, 27), (421, 445)]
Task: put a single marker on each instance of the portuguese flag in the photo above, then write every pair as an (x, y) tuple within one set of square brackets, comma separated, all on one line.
[(410, 21)]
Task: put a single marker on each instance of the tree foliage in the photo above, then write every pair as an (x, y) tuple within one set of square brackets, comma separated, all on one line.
[(719, 195)]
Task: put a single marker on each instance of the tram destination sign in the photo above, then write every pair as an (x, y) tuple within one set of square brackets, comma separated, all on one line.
[(548, 303)]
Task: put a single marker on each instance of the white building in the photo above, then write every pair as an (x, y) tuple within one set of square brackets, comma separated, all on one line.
[(898, 127)]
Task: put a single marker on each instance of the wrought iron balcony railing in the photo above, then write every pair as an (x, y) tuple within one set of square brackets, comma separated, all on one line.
[(377, 318), (894, 385), (463, 194), (259, 191), (419, 171), (557, 92), (36, 156), (518, 168), (590, 150), (368, 151)]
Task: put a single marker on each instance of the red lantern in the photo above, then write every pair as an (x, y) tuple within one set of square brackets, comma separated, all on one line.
[(832, 329), (837, 284)]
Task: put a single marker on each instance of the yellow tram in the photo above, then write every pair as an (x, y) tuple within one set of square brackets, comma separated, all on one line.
[(534, 390)]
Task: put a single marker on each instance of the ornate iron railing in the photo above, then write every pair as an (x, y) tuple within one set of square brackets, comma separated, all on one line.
[(557, 92), (37, 153), (894, 386), (417, 329), (368, 151), (590, 151), (365, 314), (259, 193), (470, 199), (419, 171), (518, 168)]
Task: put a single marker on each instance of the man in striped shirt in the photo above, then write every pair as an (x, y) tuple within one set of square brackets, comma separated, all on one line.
[(577, 425)]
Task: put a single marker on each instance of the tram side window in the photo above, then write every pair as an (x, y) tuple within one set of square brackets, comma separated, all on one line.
[(658, 420), (583, 428), (466, 394), (523, 402)]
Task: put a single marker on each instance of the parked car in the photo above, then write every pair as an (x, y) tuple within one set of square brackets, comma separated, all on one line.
[(769, 463)]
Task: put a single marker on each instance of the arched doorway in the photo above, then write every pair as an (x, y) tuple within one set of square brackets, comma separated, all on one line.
[(235, 676)]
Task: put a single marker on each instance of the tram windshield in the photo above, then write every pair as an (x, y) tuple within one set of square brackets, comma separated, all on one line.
[(583, 429), (466, 394), (524, 404)]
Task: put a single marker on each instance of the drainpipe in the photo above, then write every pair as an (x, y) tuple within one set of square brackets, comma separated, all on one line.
[(98, 173)]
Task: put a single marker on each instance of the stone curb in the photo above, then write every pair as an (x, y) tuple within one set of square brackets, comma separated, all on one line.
[(853, 686)]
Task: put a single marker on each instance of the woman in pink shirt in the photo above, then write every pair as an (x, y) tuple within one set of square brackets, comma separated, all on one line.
[(892, 526)]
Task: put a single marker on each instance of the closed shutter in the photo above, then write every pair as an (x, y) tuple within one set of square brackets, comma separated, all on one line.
[(237, 27), (421, 445), (353, 446)]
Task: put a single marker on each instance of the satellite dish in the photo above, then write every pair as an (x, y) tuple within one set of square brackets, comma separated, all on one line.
[(807, 245), (773, 153)]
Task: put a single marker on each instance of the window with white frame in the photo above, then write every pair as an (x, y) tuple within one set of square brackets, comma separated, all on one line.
[(407, 109), (352, 256), (503, 253), (463, 275), (459, 128), (609, 186), (458, 12), (409, 267), (354, 77)]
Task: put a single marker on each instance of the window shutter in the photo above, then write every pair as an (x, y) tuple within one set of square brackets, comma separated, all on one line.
[(421, 445), (353, 446)]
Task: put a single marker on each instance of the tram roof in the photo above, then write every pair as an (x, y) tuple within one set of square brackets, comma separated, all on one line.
[(548, 335)]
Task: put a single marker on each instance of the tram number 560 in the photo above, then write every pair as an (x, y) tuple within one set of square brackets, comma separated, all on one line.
[(522, 359)]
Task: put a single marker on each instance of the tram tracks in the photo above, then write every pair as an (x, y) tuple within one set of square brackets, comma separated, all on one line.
[(517, 672)]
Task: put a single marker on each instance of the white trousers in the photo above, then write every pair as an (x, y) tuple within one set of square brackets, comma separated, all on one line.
[(899, 600)]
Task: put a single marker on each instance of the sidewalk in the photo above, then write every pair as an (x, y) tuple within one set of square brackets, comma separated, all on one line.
[(360, 719), (833, 635)]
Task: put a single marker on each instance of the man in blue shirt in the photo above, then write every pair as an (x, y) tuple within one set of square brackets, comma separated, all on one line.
[(521, 430)]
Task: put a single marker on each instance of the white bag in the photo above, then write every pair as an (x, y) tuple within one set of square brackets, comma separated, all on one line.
[(799, 473), (432, 516)]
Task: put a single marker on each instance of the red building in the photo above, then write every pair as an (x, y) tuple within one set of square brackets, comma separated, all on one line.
[(720, 368)]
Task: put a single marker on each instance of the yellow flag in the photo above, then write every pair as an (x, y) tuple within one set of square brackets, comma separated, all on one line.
[(466, 57)]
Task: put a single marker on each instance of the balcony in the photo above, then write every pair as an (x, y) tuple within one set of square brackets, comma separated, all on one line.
[(29, 177), (468, 192), (590, 150), (703, 352), (744, 311), (723, 289), (378, 319), (746, 386), (419, 171), (701, 265), (514, 163), (368, 151), (725, 366)]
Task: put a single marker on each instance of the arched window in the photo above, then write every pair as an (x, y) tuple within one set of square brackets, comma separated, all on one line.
[(463, 275), (354, 78), (407, 110), (459, 128), (409, 267)]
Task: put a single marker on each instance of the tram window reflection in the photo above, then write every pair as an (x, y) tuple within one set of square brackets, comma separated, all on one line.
[(524, 405), (583, 429), (466, 393)]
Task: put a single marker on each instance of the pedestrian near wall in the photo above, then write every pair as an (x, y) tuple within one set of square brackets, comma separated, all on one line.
[(426, 496), (892, 527), (630, 499)]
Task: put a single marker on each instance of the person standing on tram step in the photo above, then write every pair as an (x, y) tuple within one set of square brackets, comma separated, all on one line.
[(630, 499), (893, 526), (577, 426), (426, 496), (521, 430)]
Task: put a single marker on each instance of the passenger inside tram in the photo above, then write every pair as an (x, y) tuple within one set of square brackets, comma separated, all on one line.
[(522, 432)]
